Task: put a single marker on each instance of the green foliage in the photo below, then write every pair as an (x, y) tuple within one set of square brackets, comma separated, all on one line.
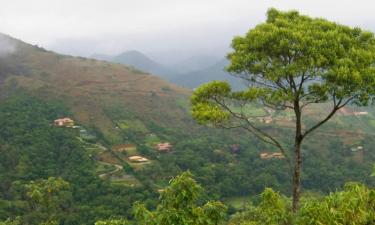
[(178, 205), (47, 200), (204, 110), (273, 209), (355, 205), (112, 222), (32, 151), (289, 56), (43, 192), (11, 222), (289, 44)]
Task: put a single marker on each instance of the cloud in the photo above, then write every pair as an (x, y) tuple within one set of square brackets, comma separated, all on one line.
[(83, 27)]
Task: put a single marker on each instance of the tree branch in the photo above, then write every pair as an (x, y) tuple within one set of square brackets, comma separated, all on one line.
[(263, 136)]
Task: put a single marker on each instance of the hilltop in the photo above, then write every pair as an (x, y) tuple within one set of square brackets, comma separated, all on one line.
[(142, 62)]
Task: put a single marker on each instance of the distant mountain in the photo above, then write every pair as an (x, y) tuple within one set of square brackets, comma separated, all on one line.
[(102, 57), (189, 73), (195, 63), (214, 72), (142, 62)]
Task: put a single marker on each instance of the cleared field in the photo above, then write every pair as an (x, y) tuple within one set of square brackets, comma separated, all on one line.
[(126, 180)]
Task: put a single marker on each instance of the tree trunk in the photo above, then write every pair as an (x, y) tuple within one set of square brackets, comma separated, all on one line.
[(297, 175), (297, 157)]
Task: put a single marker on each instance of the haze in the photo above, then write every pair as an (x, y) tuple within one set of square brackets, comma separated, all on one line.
[(166, 30)]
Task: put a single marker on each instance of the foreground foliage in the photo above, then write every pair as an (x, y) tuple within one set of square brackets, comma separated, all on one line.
[(355, 205), (178, 205)]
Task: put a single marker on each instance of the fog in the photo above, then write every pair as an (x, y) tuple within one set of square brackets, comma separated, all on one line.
[(7, 46), (168, 30)]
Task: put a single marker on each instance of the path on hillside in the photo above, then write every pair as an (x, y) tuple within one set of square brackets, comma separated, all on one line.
[(110, 173), (117, 166)]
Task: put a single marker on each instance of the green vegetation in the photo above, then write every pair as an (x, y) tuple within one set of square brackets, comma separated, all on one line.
[(34, 152), (133, 125), (178, 205), (354, 205)]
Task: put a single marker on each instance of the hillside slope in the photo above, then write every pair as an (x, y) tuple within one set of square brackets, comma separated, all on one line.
[(93, 89)]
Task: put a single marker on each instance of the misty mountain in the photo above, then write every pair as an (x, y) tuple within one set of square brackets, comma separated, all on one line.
[(213, 72), (102, 57), (142, 62), (189, 73), (194, 63)]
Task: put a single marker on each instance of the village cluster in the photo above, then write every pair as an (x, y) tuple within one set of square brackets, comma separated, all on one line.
[(161, 147), (164, 147)]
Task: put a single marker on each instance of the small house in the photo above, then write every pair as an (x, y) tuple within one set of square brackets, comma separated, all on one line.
[(267, 119), (138, 159), (274, 155), (164, 147), (363, 113), (356, 148), (64, 122)]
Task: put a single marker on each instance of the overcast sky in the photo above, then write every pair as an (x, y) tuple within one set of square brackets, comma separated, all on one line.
[(164, 29)]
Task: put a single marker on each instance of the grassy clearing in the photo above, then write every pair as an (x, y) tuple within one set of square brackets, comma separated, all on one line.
[(108, 157), (126, 151), (103, 168), (138, 166), (126, 180), (132, 151)]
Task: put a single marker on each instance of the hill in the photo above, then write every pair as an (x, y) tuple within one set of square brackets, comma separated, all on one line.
[(99, 93), (142, 62)]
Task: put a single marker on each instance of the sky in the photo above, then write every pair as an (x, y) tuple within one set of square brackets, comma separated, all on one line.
[(166, 30)]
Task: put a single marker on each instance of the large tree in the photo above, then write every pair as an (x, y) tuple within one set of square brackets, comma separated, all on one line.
[(291, 62)]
